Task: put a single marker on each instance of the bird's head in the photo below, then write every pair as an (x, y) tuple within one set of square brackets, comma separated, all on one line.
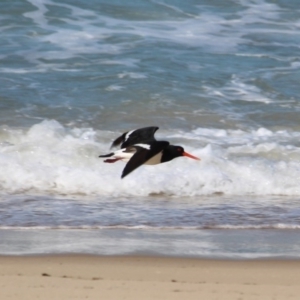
[(179, 151)]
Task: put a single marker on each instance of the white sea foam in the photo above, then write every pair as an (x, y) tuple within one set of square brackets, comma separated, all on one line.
[(132, 75), (49, 158), (114, 88), (236, 89)]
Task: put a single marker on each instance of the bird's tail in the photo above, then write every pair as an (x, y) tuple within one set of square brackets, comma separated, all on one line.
[(107, 155)]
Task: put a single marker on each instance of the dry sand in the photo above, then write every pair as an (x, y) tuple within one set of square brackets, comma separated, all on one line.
[(134, 277)]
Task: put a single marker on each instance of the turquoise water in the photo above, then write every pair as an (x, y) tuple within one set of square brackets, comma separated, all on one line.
[(220, 79), (109, 64)]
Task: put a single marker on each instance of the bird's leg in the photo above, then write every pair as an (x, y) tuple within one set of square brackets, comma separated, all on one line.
[(111, 160)]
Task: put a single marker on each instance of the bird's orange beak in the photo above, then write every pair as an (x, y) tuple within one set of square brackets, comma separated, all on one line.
[(190, 156)]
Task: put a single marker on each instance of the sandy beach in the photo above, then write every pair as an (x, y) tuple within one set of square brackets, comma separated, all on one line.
[(136, 277)]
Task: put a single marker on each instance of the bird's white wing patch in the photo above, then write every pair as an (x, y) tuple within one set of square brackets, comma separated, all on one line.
[(145, 146), (128, 134)]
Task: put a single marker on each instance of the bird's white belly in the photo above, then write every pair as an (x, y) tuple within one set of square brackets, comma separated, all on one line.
[(126, 156), (154, 160)]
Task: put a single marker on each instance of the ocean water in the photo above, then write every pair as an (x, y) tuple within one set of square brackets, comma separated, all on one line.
[(220, 79)]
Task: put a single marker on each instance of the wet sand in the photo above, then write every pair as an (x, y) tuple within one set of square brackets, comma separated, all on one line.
[(142, 277)]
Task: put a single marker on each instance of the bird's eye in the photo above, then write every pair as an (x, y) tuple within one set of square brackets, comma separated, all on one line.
[(178, 149)]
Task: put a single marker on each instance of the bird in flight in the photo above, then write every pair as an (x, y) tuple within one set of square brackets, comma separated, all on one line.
[(139, 147)]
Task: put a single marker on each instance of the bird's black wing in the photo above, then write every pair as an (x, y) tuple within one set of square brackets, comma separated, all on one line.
[(137, 136), (143, 154)]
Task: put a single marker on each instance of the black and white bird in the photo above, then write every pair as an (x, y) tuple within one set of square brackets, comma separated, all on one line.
[(139, 147)]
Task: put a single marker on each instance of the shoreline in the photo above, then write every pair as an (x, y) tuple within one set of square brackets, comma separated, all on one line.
[(215, 244), (149, 255), (70, 276)]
